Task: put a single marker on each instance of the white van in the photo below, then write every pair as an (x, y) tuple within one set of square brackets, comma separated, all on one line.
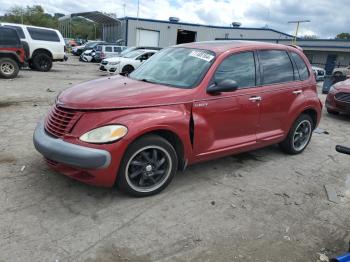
[(45, 45)]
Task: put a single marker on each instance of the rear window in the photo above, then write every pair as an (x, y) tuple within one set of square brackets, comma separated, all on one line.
[(18, 29), (301, 66), (43, 34), (8, 36), (108, 49), (99, 48), (276, 67)]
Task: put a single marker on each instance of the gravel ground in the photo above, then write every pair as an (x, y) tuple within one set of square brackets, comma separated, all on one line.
[(258, 206)]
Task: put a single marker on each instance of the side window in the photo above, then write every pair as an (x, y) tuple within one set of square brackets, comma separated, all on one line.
[(43, 34), (8, 36), (238, 67), (108, 49), (276, 67), (117, 49), (302, 68), (18, 29)]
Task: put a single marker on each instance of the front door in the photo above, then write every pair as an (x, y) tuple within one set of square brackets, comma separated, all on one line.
[(227, 121)]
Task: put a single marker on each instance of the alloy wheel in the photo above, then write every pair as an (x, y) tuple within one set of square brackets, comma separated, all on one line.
[(7, 68), (148, 169), (302, 135)]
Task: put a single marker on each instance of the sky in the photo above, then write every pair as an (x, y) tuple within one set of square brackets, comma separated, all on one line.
[(328, 18)]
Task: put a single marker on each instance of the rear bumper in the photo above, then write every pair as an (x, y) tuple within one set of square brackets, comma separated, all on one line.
[(69, 154)]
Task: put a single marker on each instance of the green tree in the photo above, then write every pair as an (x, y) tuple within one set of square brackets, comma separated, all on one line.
[(343, 36), (35, 15)]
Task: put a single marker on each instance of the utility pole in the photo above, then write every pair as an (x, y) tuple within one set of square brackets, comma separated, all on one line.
[(294, 42)]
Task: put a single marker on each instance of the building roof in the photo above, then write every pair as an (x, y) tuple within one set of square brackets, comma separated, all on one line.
[(94, 16), (210, 26)]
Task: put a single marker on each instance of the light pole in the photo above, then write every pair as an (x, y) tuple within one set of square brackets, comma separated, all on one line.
[(294, 42)]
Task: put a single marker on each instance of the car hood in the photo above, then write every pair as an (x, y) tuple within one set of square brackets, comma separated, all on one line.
[(121, 92), (343, 86)]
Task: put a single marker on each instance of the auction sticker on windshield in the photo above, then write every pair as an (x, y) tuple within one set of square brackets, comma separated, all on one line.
[(202, 55)]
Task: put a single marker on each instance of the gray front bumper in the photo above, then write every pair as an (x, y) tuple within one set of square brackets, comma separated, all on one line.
[(70, 154)]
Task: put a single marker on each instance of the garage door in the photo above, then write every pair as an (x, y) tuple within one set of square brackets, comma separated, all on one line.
[(147, 38)]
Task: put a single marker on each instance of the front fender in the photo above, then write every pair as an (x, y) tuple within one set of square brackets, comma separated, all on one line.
[(139, 121)]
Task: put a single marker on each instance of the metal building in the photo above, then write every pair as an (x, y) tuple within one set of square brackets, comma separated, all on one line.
[(131, 31), (150, 32)]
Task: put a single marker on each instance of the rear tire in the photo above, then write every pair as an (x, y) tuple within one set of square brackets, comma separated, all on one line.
[(299, 135), (148, 166), (42, 62), (8, 68)]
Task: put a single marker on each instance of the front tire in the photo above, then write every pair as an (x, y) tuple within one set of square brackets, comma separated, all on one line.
[(148, 166), (42, 62), (8, 68), (127, 70), (299, 135)]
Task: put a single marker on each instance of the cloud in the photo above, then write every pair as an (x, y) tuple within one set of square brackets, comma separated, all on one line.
[(328, 18)]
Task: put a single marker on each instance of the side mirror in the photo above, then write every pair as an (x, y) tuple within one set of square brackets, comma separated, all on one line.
[(226, 85)]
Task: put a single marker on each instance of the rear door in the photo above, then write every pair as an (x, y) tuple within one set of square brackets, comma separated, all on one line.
[(280, 88), (228, 121)]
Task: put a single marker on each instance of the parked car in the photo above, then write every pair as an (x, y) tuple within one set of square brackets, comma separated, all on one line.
[(88, 56), (46, 45), (107, 50), (12, 53), (341, 71), (338, 98), (186, 104), (319, 73), (127, 63), (134, 48), (77, 50)]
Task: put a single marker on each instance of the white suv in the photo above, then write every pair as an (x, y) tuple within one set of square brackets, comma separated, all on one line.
[(45, 45)]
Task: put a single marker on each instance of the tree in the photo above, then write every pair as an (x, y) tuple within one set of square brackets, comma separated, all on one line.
[(35, 15), (343, 36)]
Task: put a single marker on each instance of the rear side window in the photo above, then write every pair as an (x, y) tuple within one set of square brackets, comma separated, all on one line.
[(117, 49), (8, 36), (43, 34), (18, 29), (108, 49), (238, 67), (301, 66), (276, 67)]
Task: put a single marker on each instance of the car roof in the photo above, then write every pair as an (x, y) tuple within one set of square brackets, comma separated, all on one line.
[(20, 25), (221, 46)]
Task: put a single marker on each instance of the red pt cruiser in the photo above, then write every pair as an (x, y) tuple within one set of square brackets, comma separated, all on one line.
[(188, 103)]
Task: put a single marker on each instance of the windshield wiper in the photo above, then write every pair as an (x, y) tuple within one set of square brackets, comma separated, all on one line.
[(146, 80)]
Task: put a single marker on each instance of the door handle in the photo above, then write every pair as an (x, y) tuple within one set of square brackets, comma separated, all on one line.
[(255, 98), (297, 92)]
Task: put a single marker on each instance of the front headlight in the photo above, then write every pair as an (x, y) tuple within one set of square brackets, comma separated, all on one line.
[(114, 63), (104, 134)]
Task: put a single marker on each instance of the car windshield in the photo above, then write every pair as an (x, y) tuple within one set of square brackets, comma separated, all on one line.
[(177, 67), (134, 54), (127, 50)]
